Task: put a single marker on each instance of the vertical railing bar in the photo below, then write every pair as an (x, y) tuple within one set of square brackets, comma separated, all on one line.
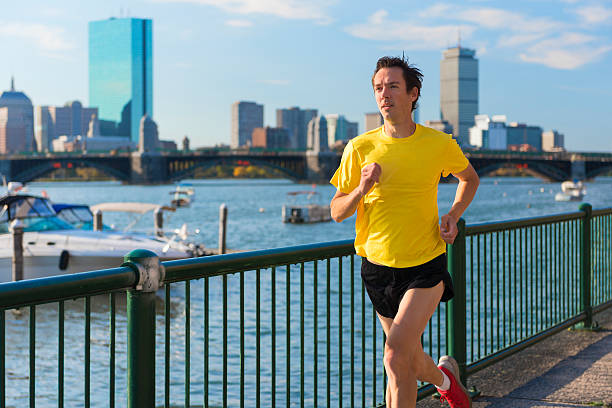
[(187, 343), (242, 352), (352, 331), (2, 360), (328, 328), (273, 337), (60, 356), (478, 291), (492, 320), (167, 346), (315, 290), (521, 283), (288, 335), (302, 398), (32, 356), (340, 371), (374, 364), (207, 339), (87, 351), (541, 298), (363, 345), (549, 258), (497, 275), (471, 299), (504, 298), (531, 271), (225, 351), (111, 368), (257, 338), (514, 283)]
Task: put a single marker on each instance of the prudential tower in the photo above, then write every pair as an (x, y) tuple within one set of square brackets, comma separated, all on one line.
[(459, 90)]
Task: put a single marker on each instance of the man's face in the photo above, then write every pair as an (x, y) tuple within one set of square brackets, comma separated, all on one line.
[(394, 103)]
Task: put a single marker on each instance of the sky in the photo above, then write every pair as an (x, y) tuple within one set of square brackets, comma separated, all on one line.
[(541, 62)]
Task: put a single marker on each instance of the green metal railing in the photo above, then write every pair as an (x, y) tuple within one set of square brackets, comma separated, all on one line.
[(289, 326)]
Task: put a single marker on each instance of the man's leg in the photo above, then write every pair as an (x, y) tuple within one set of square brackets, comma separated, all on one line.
[(404, 357), (428, 371)]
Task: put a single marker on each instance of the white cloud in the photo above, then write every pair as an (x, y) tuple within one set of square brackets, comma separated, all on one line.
[(594, 14), (289, 9), (48, 39), (541, 40), (568, 51), (408, 35), (239, 23), (278, 82)]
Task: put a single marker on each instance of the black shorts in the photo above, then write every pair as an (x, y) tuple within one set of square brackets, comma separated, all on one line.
[(386, 285)]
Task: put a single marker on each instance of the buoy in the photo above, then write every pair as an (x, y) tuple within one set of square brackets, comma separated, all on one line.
[(63, 260), (528, 205), (261, 209), (542, 190), (505, 194)]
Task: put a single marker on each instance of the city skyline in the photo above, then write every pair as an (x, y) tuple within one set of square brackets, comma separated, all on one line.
[(549, 69)]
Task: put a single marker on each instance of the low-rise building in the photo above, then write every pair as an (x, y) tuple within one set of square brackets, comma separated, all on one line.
[(271, 138)]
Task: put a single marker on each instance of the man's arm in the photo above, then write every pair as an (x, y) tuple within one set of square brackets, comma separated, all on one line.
[(344, 205), (466, 190)]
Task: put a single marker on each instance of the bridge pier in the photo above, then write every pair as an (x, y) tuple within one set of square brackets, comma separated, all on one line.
[(147, 168), (320, 166), (578, 168)]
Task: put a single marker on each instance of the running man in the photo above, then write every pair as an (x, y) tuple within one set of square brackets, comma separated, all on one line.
[(390, 177)]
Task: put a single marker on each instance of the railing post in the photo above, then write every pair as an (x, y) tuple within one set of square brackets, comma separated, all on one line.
[(16, 228), (97, 221), (456, 314), (222, 228), (141, 327), (585, 265)]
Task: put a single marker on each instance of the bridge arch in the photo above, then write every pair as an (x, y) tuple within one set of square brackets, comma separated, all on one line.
[(48, 167), (599, 171), (204, 165), (540, 170)]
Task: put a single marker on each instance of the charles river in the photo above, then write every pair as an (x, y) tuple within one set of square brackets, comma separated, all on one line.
[(254, 222)]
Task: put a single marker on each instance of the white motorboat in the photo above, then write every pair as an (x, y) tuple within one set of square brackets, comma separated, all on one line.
[(571, 191), (303, 207), (52, 246), (183, 196)]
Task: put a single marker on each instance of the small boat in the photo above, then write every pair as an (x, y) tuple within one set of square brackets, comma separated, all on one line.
[(183, 196), (52, 246), (303, 207), (571, 191)]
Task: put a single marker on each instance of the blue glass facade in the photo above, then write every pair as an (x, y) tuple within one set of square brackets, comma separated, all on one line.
[(121, 73)]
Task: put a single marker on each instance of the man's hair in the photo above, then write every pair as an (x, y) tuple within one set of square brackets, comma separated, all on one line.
[(412, 75)]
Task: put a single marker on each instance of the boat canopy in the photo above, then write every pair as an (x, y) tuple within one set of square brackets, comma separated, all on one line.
[(133, 207)]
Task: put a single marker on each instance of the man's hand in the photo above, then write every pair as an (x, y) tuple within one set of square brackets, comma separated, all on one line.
[(370, 174), (448, 228)]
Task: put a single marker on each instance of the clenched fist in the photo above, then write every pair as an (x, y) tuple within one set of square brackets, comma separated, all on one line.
[(448, 228), (370, 174)]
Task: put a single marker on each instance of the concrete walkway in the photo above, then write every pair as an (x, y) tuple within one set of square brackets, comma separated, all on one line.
[(569, 369)]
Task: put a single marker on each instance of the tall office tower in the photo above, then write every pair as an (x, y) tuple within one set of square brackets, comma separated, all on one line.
[(553, 141), (16, 122), (246, 116), (72, 119), (338, 128), (317, 134), (459, 91), (373, 120), (296, 121), (121, 74)]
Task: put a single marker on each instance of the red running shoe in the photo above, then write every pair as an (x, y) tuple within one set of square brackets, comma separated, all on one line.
[(457, 395)]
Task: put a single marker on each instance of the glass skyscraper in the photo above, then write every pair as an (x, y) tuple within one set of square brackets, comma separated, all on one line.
[(121, 74)]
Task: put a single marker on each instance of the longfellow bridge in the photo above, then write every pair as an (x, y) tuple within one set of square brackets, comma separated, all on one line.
[(307, 166)]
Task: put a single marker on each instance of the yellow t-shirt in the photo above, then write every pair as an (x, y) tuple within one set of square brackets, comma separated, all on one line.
[(397, 221)]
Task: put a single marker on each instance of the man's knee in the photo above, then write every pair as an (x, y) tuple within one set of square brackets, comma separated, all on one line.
[(400, 359)]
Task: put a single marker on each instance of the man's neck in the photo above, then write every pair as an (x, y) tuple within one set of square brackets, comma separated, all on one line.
[(400, 130)]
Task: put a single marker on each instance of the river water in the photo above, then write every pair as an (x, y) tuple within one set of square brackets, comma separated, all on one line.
[(254, 222)]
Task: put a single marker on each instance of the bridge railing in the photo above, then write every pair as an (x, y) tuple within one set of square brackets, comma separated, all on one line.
[(287, 326)]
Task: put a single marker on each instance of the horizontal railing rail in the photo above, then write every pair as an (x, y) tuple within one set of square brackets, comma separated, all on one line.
[(288, 326)]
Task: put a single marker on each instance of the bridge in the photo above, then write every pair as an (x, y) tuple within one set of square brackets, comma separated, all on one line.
[(166, 167)]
